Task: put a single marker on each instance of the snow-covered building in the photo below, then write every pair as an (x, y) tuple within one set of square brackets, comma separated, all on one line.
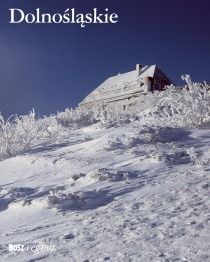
[(122, 88)]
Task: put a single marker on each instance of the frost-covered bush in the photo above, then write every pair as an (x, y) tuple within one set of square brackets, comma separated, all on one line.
[(18, 133), (80, 117), (76, 117), (50, 128), (114, 117), (104, 174), (187, 106), (62, 201)]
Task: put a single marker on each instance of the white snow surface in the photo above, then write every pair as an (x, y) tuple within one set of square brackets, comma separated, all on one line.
[(129, 193)]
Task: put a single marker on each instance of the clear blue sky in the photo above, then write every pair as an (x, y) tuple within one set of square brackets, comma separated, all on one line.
[(51, 67)]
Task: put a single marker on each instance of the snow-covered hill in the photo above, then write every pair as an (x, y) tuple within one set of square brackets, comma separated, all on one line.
[(132, 191)]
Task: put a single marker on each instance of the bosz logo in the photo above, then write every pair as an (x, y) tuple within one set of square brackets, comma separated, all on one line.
[(36, 248), (17, 247)]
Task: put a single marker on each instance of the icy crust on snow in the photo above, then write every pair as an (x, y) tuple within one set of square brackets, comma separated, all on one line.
[(128, 193)]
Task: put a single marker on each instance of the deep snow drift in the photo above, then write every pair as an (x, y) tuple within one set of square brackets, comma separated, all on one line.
[(128, 192)]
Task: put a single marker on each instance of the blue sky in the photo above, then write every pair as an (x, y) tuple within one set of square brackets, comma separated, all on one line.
[(51, 67)]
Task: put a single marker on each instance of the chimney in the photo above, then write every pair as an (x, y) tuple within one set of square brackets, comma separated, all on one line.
[(138, 69)]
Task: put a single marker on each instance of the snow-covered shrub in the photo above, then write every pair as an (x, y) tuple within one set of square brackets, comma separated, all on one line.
[(187, 106), (188, 80), (164, 134), (50, 128), (115, 116), (77, 117), (7, 136), (172, 154), (18, 133), (183, 108), (108, 117), (62, 201), (122, 141), (104, 174)]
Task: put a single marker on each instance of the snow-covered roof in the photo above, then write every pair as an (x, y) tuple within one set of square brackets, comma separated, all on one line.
[(121, 80)]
